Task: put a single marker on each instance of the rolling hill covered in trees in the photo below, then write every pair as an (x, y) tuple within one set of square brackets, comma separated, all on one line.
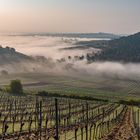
[(124, 49), (9, 55)]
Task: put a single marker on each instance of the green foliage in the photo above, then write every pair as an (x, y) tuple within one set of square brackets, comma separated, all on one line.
[(6, 89), (72, 96), (130, 102), (16, 87), (125, 49)]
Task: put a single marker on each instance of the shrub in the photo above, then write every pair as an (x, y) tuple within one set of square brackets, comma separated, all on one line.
[(16, 87), (4, 72)]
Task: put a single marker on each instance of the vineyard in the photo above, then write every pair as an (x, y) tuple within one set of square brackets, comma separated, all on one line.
[(97, 86), (48, 118)]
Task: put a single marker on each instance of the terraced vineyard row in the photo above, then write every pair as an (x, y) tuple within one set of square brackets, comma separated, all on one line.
[(47, 118)]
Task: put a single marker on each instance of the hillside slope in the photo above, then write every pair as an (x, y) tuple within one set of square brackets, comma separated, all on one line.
[(10, 55), (125, 49)]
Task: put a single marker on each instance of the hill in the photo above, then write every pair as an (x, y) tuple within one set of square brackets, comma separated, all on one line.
[(124, 49), (10, 55)]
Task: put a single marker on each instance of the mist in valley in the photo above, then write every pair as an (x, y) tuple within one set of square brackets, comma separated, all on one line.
[(51, 48)]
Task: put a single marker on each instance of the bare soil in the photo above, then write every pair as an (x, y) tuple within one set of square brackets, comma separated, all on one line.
[(124, 130)]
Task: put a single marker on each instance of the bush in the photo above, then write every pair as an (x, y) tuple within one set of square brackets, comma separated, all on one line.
[(4, 73), (16, 87), (130, 102), (72, 96)]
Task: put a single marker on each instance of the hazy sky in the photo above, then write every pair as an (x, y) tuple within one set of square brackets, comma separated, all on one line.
[(116, 16)]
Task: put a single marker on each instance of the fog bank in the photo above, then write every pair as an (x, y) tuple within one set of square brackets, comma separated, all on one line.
[(44, 45), (50, 47)]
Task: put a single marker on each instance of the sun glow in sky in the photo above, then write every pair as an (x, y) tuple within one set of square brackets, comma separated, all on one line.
[(116, 16)]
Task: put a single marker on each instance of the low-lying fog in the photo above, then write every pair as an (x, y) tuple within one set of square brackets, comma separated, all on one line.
[(44, 45), (50, 48)]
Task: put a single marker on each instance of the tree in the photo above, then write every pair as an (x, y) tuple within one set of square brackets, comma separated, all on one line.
[(16, 87), (4, 72)]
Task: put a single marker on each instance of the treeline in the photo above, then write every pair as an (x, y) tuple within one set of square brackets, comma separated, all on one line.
[(125, 49), (130, 102), (45, 93)]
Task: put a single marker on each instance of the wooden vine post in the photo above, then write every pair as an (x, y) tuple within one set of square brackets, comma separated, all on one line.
[(40, 116), (56, 120), (82, 134), (138, 126), (87, 119)]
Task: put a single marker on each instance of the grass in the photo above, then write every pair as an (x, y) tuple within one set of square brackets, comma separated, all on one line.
[(112, 88)]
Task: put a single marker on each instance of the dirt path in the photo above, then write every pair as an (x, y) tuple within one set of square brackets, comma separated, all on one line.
[(124, 130)]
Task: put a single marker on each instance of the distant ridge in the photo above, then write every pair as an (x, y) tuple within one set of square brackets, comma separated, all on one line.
[(74, 35), (125, 49)]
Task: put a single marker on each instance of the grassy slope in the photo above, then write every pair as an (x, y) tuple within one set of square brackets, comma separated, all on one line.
[(112, 88)]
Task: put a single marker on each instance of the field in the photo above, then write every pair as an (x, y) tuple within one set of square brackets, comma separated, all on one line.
[(112, 88), (35, 118)]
